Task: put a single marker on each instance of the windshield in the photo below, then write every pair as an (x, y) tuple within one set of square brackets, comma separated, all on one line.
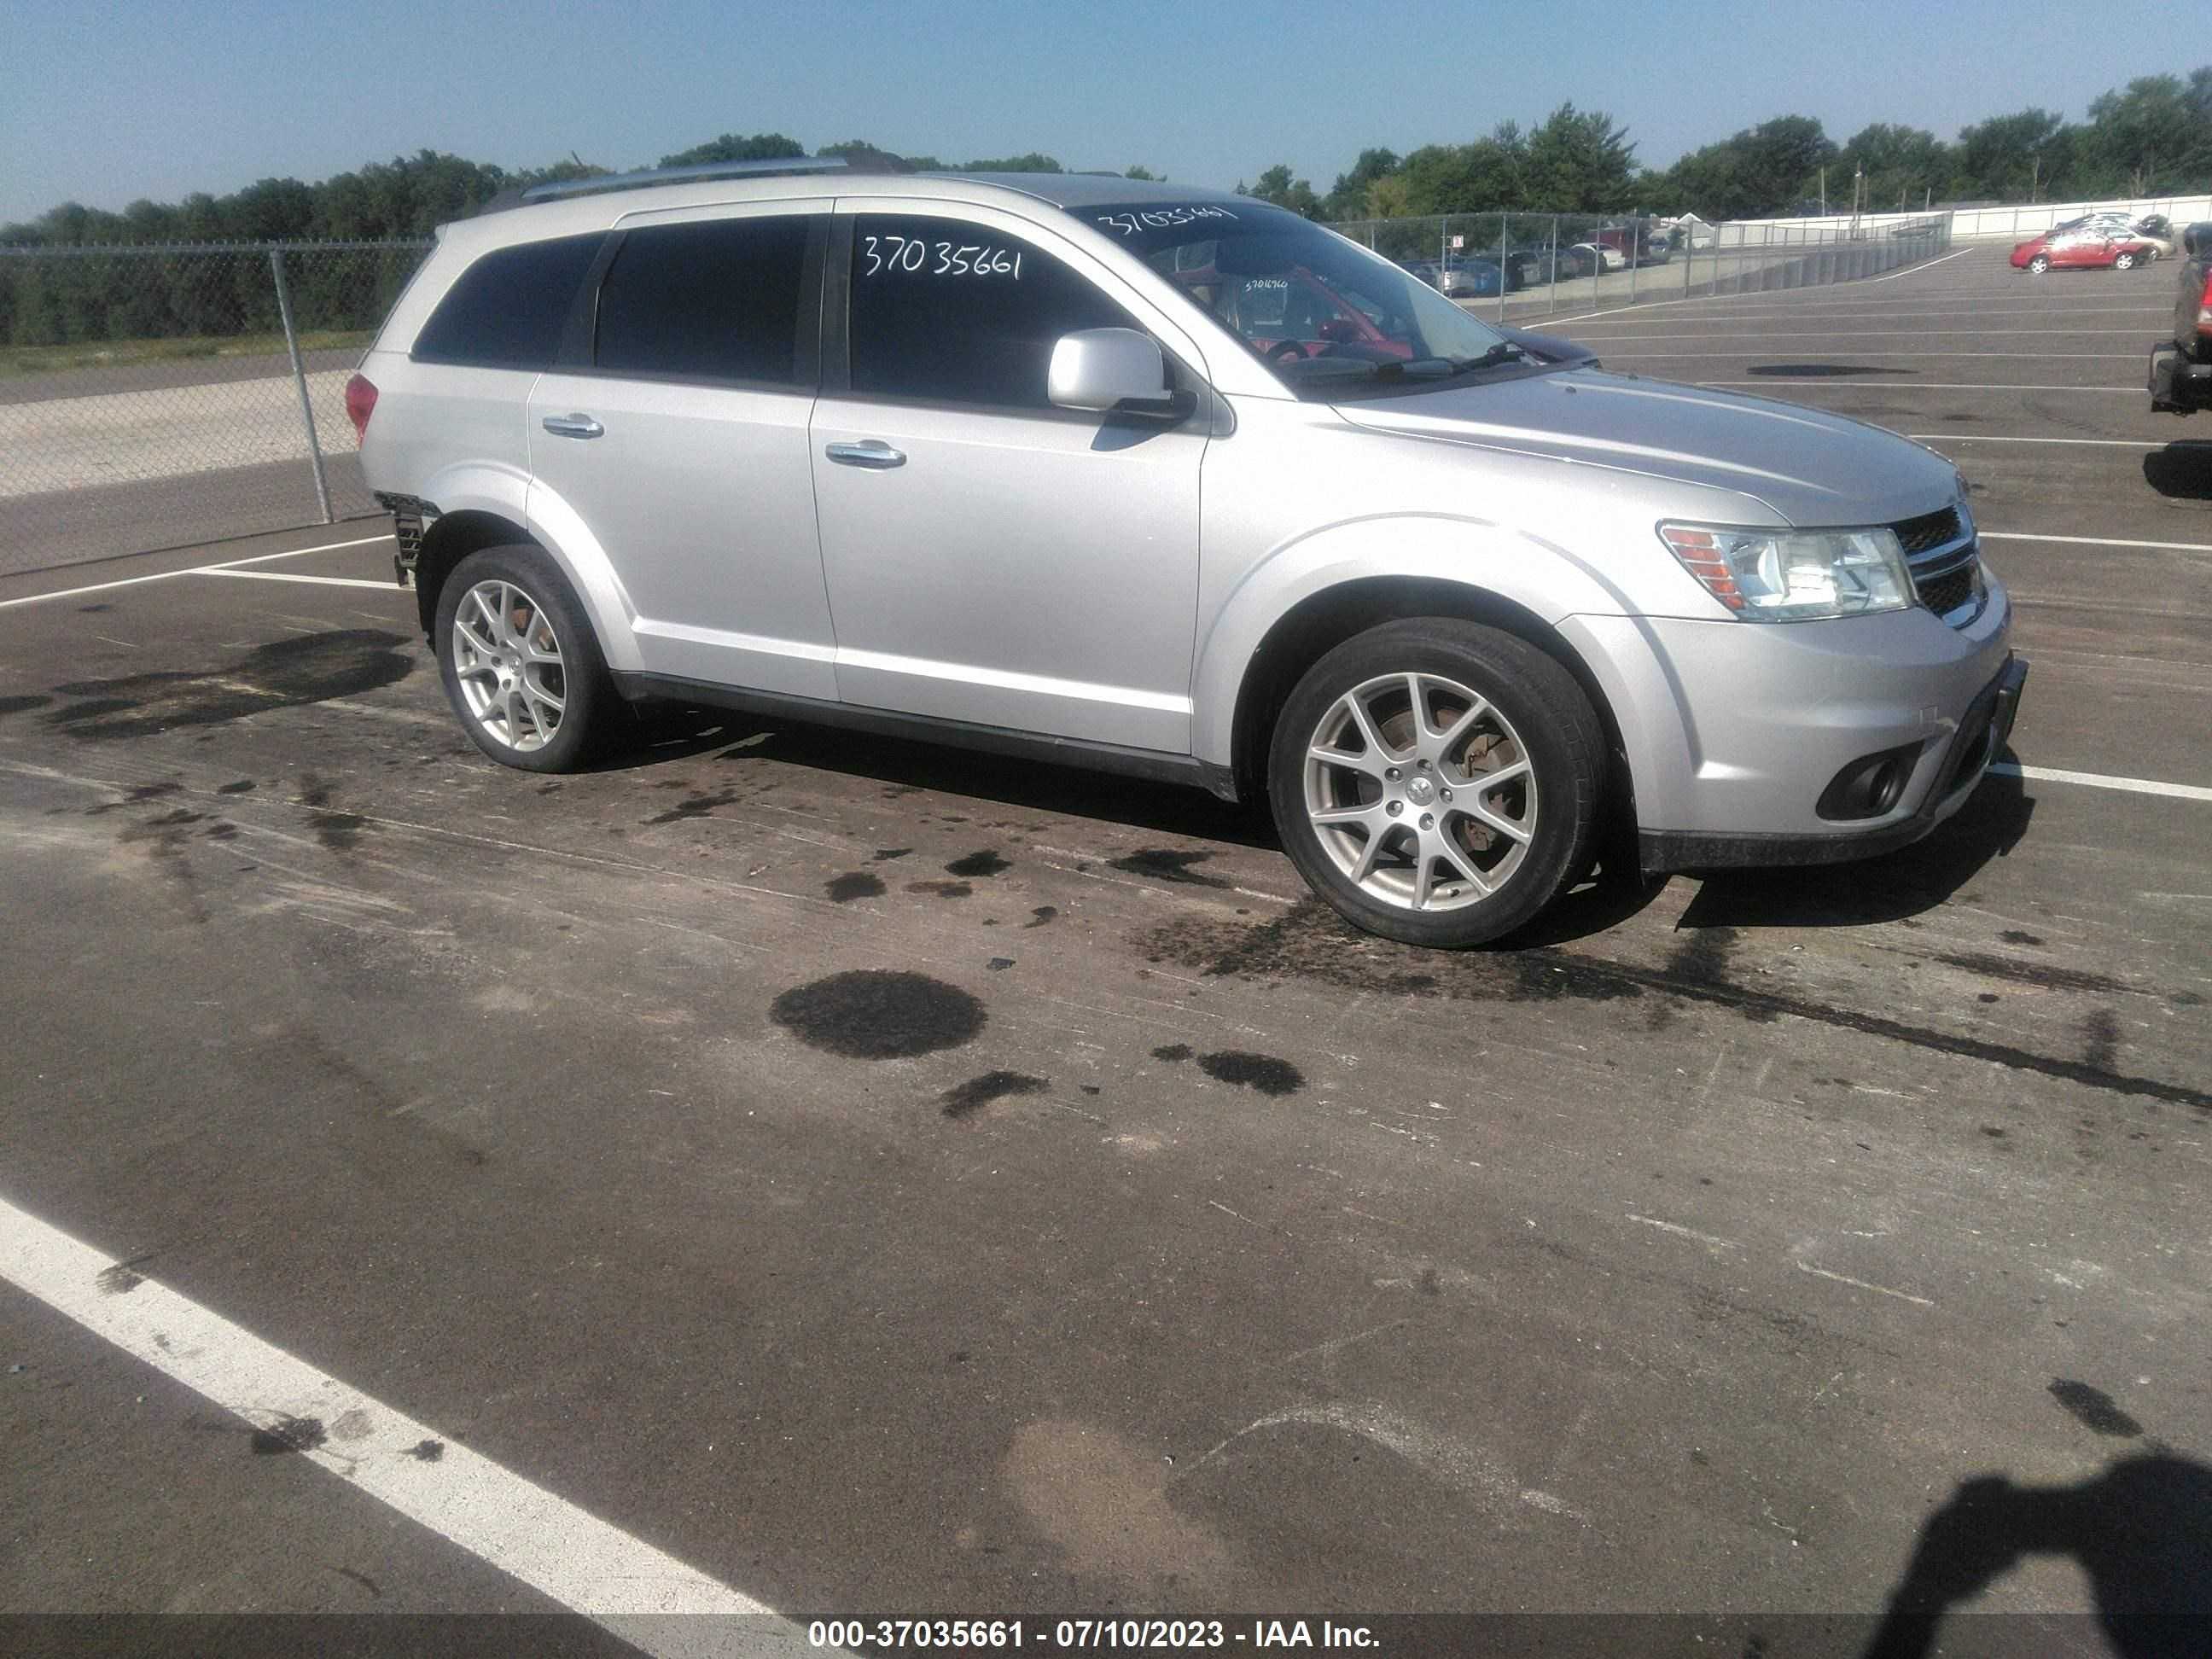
[(1332, 319)]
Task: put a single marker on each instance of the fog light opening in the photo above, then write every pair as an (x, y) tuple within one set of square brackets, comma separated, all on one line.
[(1871, 785)]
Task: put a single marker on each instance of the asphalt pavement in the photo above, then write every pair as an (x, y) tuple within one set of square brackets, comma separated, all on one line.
[(884, 1179)]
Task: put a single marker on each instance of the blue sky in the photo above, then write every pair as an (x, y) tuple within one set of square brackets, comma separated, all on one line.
[(107, 103)]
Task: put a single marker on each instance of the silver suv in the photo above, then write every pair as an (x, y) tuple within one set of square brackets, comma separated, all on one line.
[(1177, 484)]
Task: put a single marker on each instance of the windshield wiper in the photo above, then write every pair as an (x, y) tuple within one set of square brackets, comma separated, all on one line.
[(1503, 352)]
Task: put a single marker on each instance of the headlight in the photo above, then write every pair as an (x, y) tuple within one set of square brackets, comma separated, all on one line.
[(1795, 575)]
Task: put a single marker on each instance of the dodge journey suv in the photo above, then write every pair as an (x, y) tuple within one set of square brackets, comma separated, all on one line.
[(1078, 468)]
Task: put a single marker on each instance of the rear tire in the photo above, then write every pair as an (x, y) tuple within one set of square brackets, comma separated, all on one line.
[(1451, 820), (520, 664)]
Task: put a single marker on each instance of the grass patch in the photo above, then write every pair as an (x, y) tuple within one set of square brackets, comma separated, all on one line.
[(117, 354)]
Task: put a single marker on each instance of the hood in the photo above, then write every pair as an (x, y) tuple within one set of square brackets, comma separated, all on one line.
[(1810, 467)]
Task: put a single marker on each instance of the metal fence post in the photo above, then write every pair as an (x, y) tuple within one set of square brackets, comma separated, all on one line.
[(1501, 267), (300, 379), (1635, 258), (1551, 299)]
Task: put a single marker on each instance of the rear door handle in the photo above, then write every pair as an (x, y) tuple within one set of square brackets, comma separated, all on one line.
[(871, 453), (572, 426)]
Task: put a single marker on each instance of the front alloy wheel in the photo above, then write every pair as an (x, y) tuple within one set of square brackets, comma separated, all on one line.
[(1437, 780), (2124, 262), (2038, 266), (508, 659), (1420, 792)]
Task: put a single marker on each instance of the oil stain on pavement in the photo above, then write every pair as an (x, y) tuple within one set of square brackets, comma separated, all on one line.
[(973, 1096), (879, 1014)]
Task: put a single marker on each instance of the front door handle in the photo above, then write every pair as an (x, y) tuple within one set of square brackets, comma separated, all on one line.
[(572, 426), (871, 453)]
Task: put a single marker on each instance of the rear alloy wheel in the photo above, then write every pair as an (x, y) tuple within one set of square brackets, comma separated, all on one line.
[(2124, 262), (1436, 781), (520, 663), (2039, 264)]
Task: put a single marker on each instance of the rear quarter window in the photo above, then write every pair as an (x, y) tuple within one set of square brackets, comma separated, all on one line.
[(508, 309)]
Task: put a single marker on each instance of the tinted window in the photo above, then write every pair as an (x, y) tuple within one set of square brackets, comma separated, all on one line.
[(719, 300), (508, 308), (952, 312)]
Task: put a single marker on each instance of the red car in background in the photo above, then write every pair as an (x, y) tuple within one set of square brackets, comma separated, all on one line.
[(2081, 244)]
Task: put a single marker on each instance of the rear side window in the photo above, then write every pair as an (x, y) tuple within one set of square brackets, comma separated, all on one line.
[(718, 300), (946, 312), (508, 308)]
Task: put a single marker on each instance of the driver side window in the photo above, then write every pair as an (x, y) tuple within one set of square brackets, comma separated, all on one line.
[(946, 312)]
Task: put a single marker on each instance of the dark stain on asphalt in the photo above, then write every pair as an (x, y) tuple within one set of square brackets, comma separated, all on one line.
[(22, 705), (1088, 1088), (2096, 1410), (2034, 973), (951, 890), (695, 807), (221, 830), (885, 854), (1262, 1072), (1702, 956), (1173, 1053), (1429, 1284), (426, 1451), (879, 1014), (853, 884), (1000, 964), (2101, 1040), (984, 863), (144, 791), (1993, 1132), (1165, 864), (290, 1434), (2013, 936), (339, 831), (308, 668), (1985, 996), (359, 1578), (94, 610), (118, 1280), (977, 1092), (1311, 943), (242, 787), (1044, 913)]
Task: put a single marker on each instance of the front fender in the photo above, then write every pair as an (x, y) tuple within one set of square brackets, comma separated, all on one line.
[(1589, 615)]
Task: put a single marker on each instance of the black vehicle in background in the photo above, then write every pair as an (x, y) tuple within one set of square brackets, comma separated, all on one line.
[(2181, 370)]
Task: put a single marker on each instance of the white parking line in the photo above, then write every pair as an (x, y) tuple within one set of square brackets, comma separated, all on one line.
[(2098, 781), (2093, 541), (196, 570), (496, 1515), (1982, 438), (2036, 356), (284, 576), (1844, 382)]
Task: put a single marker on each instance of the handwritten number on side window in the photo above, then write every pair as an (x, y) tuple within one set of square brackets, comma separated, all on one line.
[(908, 255)]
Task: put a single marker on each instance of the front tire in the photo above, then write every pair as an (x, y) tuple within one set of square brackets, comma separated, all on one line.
[(2038, 266), (1436, 782), (2124, 262), (519, 662)]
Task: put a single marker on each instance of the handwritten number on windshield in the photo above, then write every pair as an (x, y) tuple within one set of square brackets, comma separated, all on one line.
[(911, 255)]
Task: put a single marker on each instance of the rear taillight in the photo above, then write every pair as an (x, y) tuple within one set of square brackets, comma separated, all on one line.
[(2204, 306), (360, 404)]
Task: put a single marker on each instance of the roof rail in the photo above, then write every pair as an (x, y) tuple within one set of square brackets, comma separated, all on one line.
[(679, 175)]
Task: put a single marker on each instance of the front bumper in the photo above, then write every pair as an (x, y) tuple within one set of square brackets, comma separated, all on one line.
[(2179, 387), (1982, 733)]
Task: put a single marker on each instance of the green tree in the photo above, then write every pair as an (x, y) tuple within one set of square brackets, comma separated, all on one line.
[(2153, 137), (1579, 162), (1144, 173), (1277, 186), (760, 147), (1761, 171), (2020, 157), (1032, 162), (1902, 164), (1347, 199), (1483, 176)]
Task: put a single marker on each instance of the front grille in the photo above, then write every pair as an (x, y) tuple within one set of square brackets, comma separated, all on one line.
[(1929, 530), (1944, 594), (1942, 553)]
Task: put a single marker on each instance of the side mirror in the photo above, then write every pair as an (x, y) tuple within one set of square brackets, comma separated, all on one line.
[(1110, 370)]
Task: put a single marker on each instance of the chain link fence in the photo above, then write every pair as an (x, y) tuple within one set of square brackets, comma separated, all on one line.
[(1523, 267), (159, 396)]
